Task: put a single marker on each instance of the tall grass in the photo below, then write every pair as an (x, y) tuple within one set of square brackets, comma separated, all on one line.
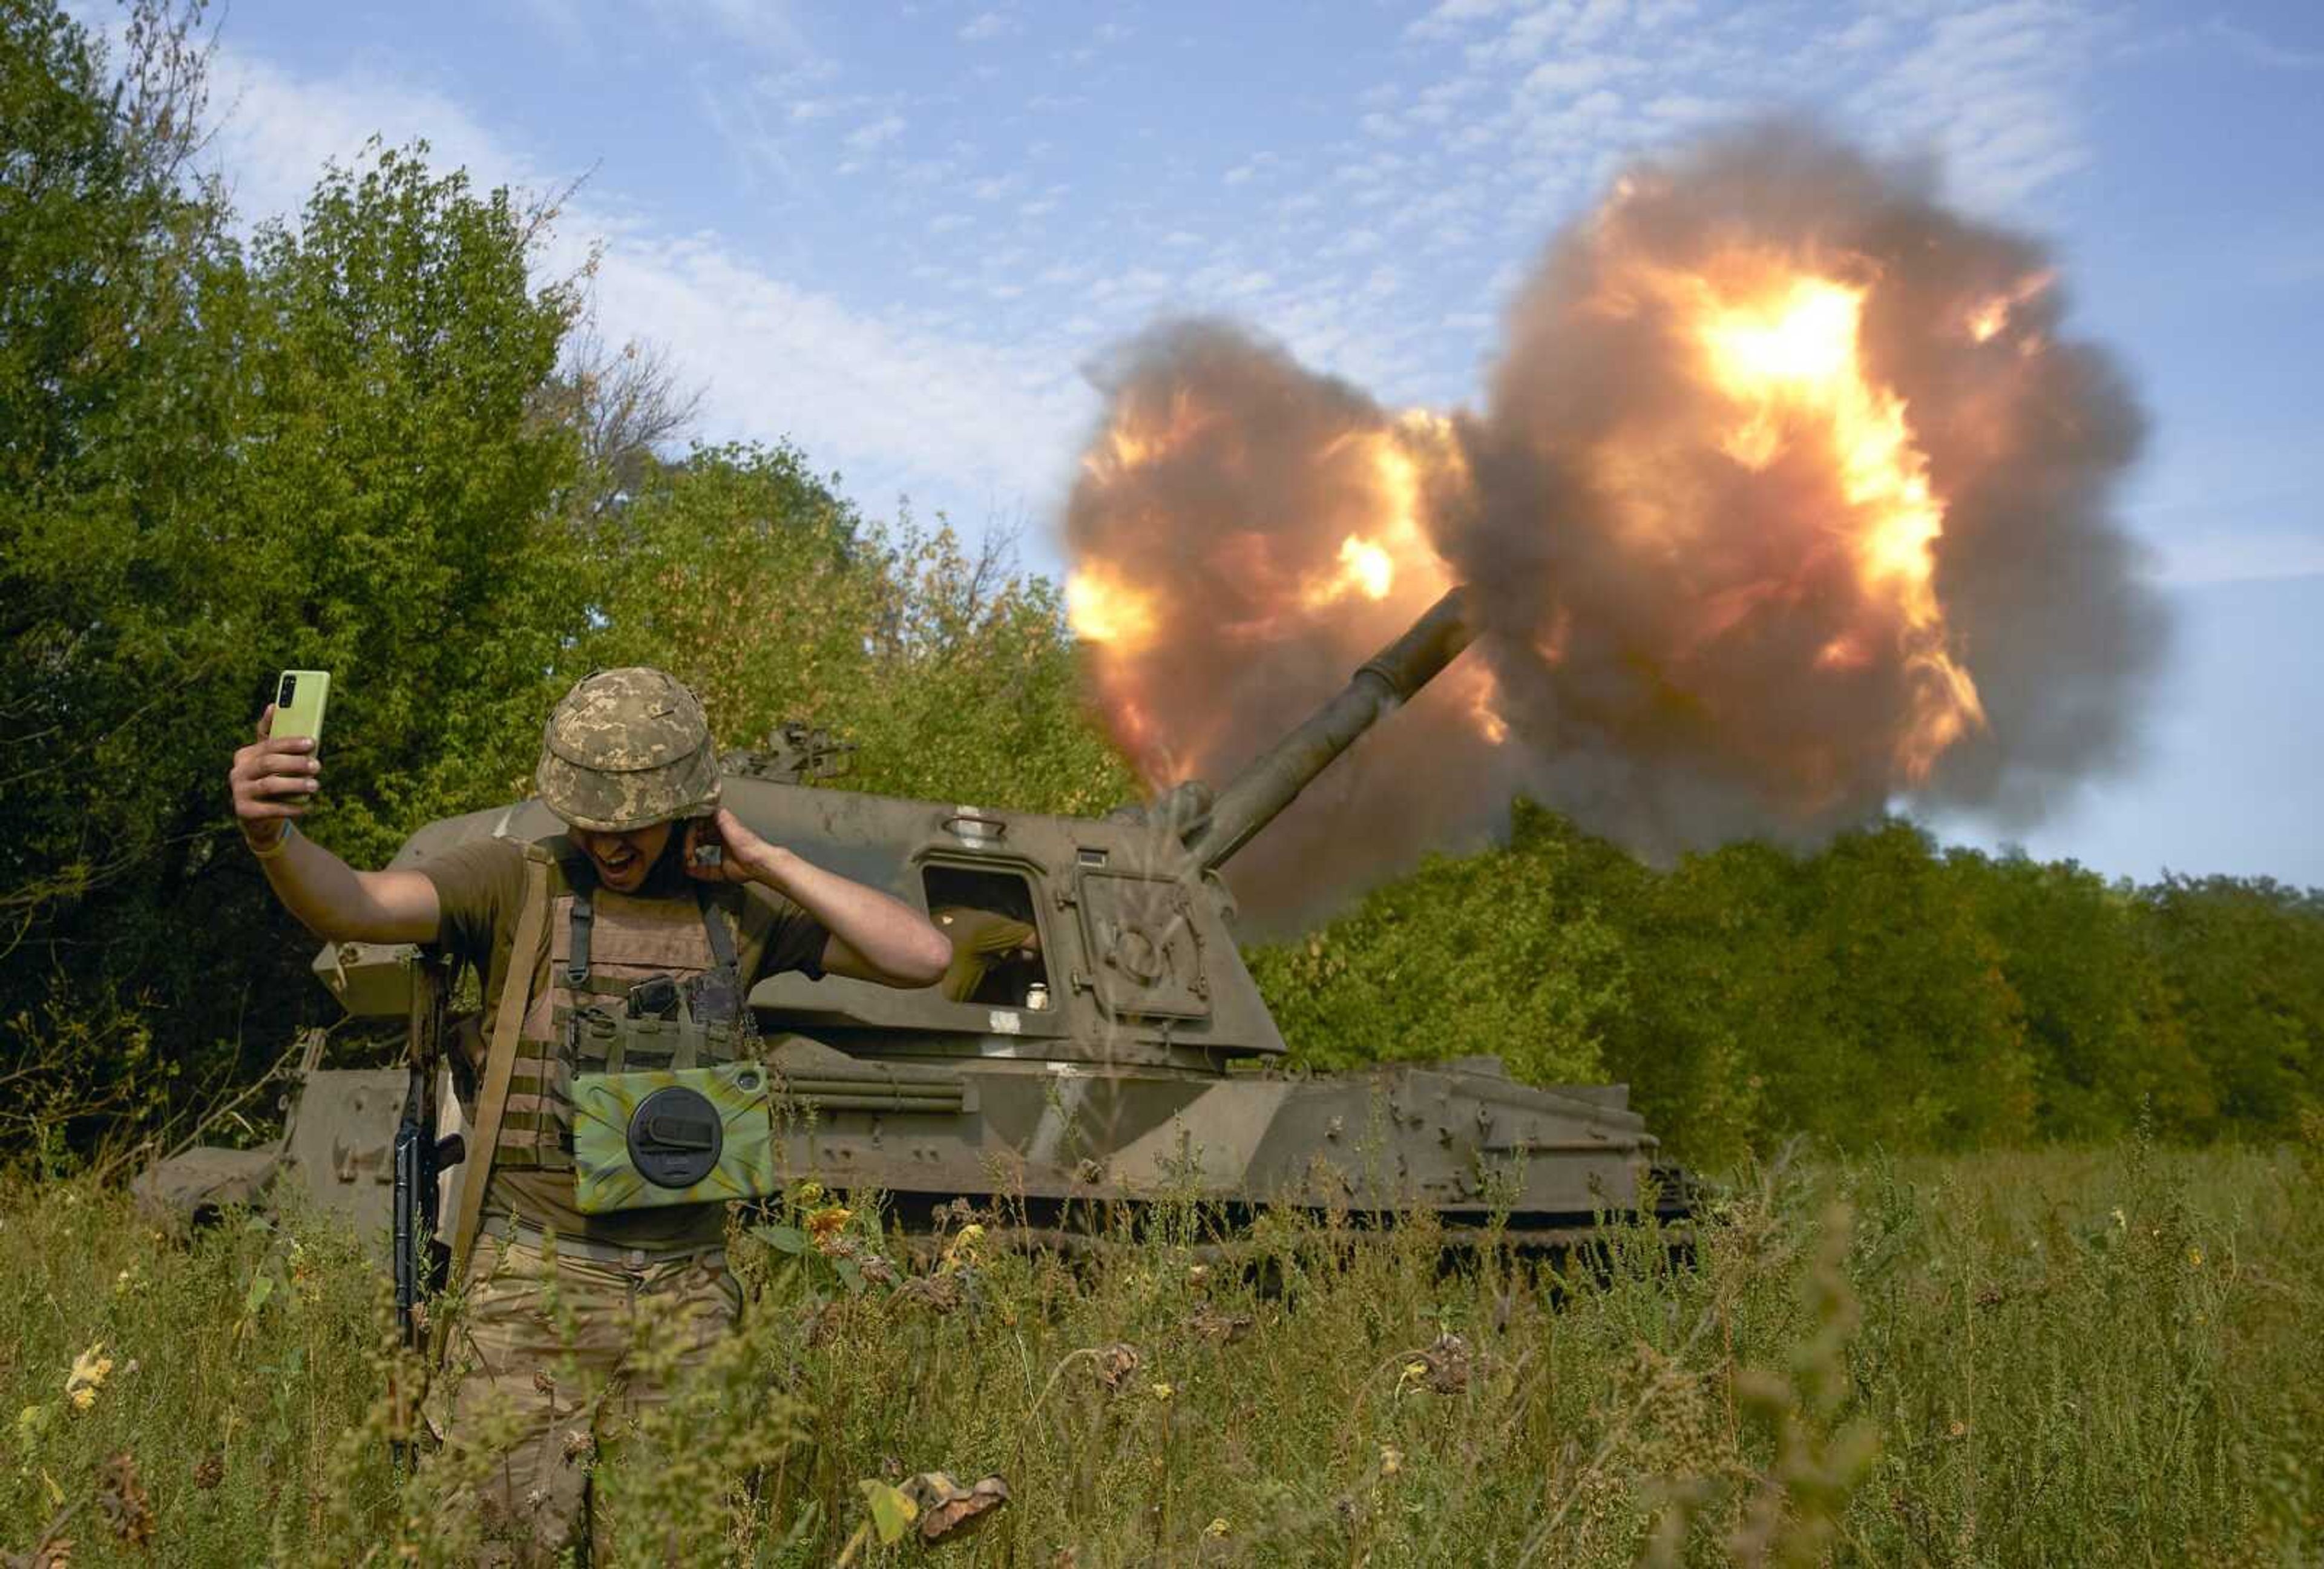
[(2107, 1356)]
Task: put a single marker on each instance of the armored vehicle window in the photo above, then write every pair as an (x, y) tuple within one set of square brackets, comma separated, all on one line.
[(996, 937)]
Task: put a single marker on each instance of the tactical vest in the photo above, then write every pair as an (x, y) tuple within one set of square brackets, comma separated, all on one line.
[(602, 946)]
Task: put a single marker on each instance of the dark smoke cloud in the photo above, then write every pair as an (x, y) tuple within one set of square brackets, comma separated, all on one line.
[(1665, 694)]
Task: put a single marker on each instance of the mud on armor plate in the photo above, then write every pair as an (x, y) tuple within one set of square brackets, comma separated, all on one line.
[(667, 1136)]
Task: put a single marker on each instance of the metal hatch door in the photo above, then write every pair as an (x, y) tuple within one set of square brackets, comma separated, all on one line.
[(1147, 959)]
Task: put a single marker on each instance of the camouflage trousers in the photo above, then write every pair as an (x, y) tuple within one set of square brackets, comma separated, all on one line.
[(543, 1377)]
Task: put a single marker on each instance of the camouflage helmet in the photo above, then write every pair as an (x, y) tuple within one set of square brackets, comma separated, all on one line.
[(625, 749)]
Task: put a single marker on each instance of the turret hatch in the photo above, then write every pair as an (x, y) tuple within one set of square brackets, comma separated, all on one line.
[(1146, 957)]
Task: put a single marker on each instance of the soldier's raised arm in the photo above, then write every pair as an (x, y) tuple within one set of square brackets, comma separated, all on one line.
[(273, 781)]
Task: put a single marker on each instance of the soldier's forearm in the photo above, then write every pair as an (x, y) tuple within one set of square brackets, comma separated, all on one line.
[(314, 885), (893, 942), (340, 904)]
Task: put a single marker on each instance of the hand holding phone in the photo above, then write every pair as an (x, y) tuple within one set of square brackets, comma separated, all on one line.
[(276, 776), (299, 697)]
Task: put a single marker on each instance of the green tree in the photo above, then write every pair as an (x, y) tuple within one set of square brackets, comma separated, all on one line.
[(974, 689), (107, 438), (1501, 953), (105, 247), (1730, 1003), (2106, 1045), (2244, 963), (392, 491), (1926, 1039), (214, 463), (753, 580)]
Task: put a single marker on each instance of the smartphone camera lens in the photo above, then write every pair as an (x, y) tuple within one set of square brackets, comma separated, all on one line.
[(289, 689)]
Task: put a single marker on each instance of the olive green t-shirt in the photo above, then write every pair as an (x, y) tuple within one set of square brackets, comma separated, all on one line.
[(979, 939), (480, 892)]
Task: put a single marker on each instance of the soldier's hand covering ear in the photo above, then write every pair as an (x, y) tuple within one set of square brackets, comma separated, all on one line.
[(744, 856)]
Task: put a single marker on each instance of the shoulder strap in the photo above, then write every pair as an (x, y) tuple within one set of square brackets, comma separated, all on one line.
[(714, 927), (575, 876), (583, 915), (492, 1094)]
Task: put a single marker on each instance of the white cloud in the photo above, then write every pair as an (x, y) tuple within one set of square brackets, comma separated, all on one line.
[(764, 27), (1994, 89), (988, 25), (2241, 557), (1451, 16), (1577, 73), (876, 132), (276, 133), (890, 405), (961, 421), (2265, 51)]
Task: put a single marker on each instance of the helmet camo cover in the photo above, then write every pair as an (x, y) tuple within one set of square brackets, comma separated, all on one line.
[(625, 749)]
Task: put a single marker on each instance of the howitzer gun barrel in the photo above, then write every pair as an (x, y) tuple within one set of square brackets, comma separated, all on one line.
[(1386, 682)]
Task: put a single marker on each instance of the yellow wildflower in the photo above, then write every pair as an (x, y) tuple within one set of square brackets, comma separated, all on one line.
[(88, 1374), (2195, 1256), (1216, 1528), (962, 1250), (823, 1227), (1391, 1460), (1161, 1391)]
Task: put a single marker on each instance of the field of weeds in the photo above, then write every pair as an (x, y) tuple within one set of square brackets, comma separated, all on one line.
[(2059, 1358)]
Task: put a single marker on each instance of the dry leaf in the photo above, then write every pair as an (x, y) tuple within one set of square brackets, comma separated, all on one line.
[(1213, 1324), (947, 1509), (938, 1294), (1116, 1362), (123, 1501), (1443, 1366)]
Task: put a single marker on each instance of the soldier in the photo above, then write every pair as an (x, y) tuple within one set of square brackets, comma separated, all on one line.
[(627, 763)]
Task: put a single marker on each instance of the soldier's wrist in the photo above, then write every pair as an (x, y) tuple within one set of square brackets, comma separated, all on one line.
[(770, 867), (268, 849)]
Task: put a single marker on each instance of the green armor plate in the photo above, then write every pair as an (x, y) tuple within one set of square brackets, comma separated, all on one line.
[(616, 1114)]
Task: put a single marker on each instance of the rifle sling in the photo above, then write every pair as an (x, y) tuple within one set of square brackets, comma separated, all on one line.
[(491, 1095)]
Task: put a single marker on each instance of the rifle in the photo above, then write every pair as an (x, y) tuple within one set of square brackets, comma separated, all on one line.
[(420, 1156)]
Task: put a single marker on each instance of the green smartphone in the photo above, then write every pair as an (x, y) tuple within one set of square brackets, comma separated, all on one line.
[(298, 699)]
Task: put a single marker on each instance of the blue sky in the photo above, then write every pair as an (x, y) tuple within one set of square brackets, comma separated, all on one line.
[(899, 235)]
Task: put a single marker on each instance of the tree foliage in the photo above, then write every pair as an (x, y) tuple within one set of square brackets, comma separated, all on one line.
[(1879, 992)]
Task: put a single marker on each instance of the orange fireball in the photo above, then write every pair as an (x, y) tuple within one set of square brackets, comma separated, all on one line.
[(1786, 499)]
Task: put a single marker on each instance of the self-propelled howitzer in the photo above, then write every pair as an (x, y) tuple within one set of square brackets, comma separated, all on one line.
[(1108, 1044)]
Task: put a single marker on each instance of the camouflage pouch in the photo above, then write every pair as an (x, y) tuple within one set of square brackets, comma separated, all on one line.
[(674, 1135)]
